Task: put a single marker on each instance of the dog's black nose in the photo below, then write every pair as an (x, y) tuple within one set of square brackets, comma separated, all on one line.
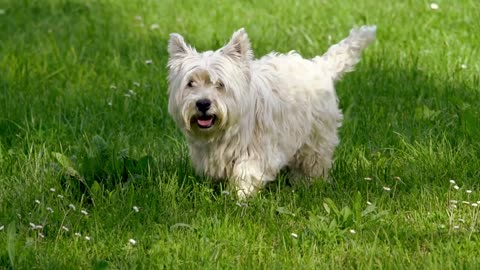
[(203, 105)]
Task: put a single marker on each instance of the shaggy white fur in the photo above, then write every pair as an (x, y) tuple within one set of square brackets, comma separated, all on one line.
[(245, 119)]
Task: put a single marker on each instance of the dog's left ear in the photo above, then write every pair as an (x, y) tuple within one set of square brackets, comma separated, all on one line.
[(238, 48)]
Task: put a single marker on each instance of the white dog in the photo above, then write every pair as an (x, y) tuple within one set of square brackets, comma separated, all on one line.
[(246, 119)]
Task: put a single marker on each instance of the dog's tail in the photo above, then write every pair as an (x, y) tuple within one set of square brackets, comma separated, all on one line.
[(342, 57)]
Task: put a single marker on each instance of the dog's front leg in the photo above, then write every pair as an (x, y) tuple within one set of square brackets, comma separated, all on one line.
[(248, 177)]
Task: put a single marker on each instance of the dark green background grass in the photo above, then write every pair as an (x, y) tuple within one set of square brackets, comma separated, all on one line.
[(411, 111)]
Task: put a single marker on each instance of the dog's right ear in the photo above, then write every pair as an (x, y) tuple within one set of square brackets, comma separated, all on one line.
[(177, 48)]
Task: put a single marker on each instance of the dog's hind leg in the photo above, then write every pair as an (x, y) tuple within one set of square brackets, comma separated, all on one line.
[(310, 163)]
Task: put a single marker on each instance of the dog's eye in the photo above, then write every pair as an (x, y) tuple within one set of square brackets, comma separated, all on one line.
[(190, 83), (220, 85)]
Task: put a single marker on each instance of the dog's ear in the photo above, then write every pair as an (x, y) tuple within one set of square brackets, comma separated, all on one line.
[(177, 48), (238, 47)]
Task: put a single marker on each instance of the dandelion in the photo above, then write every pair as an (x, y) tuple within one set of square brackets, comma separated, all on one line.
[(294, 235), (72, 207), (41, 235), (132, 242), (465, 202), (239, 204), (137, 84), (474, 204), (49, 209), (2, 227), (397, 178), (478, 202), (65, 228), (456, 227), (468, 191), (463, 66), (369, 203), (60, 196), (130, 93), (461, 220), (453, 201), (456, 187), (367, 178), (352, 231), (148, 62), (52, 189), (35, 227), (434, 6), (77, 234), (452, 181), (109, 103), (226, 193), (453, 206), (154, 26), (387, 188), (136, 208), (88, 238), (37, 201), (84, 212)]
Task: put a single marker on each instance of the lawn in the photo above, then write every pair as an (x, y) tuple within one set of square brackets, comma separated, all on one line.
[(95, 175)]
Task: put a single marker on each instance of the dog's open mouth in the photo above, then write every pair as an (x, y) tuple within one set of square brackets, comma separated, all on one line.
[(205, 121)]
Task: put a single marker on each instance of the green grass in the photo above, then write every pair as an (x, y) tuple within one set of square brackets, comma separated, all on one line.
[(411, 113)]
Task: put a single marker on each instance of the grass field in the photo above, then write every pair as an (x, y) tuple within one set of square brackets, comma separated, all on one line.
[(94, 174)]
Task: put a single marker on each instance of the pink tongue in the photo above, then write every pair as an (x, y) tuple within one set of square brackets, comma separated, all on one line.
[(204, 123)]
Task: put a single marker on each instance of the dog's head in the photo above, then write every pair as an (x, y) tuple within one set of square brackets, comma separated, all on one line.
[(209, 92)]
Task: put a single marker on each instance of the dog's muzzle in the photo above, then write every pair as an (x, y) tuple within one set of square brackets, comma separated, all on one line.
[(204, 120)]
